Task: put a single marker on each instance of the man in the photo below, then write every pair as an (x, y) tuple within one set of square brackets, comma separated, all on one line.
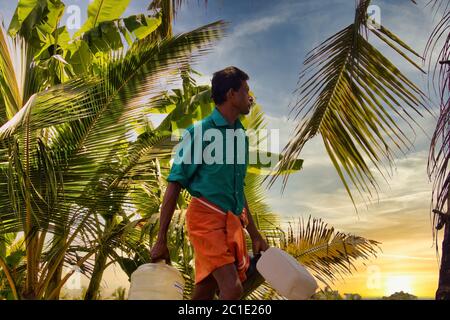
[(218, 211)]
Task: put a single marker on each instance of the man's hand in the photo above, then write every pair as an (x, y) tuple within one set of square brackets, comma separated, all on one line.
[(160, 252), (259, 244)]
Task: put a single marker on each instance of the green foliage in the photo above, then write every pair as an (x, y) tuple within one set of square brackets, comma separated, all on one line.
[(120, 294), (327, 294), (107, 35), (36, 19), (12, 253), (400, 296), (102, 11), (326, 252)]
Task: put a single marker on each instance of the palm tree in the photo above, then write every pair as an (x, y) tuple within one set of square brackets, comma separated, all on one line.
[(61, 145), (439, 155)]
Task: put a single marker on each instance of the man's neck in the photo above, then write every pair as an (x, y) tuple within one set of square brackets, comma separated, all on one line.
[(229, 113)]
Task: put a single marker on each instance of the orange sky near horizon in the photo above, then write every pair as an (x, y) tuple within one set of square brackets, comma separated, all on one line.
[(389, 274)]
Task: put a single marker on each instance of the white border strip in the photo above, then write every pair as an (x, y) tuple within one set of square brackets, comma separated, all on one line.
[(210, 206)]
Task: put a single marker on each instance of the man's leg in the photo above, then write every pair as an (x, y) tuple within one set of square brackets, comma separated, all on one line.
[(254, 278), (230, 285), (205, 289)]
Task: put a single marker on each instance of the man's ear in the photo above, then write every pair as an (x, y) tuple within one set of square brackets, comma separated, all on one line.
[(230, 94)]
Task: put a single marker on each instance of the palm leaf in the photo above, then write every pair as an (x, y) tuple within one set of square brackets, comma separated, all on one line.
[(438, 5), (439, 154), (9, 86), (355, 99), (327, 253)]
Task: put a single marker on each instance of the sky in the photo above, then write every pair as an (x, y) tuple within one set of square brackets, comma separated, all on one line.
[(269, 40)]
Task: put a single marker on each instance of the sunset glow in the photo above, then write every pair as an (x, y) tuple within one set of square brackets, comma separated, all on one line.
[(398, 283)]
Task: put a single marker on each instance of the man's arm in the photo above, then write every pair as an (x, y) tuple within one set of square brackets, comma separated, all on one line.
[(160, 250), (258, 242)]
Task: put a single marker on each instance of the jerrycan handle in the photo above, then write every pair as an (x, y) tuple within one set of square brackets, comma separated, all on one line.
[(258, 255)]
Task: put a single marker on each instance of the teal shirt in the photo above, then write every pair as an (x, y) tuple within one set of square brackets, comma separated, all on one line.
[(204, 171)]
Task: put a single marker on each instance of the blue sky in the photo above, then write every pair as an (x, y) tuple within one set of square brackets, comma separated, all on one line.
[(269, 40)]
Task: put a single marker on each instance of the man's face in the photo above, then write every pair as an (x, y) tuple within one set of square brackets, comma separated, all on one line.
[(242, 100)]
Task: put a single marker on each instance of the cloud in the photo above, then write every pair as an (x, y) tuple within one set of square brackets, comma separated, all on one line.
[(263, 24)]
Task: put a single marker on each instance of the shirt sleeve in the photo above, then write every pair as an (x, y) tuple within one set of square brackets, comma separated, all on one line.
[(186, 160)]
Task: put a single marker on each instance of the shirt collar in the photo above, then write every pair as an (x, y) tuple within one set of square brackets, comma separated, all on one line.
[(220, 121)]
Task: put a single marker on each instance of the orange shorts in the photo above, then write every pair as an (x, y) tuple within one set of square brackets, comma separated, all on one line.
[(217, 237)]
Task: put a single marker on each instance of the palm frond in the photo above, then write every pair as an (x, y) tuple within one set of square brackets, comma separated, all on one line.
[(10, 90), (265, 220), (264, 292), (131, 79), (439, 154), (355, 99), (438, 5), (326, 252)]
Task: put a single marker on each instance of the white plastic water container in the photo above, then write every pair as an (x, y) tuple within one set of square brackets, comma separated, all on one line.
[(156, 281), (286, 275)]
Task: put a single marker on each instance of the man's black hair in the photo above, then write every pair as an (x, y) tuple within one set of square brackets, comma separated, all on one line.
[(224, 80)]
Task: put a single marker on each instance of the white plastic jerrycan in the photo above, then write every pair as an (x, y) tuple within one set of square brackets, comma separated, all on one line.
[(156, 281), (286, 275)]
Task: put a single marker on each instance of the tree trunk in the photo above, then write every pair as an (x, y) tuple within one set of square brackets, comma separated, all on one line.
[(443, 291), (97, 275), (31, 231), (54, 283), (58, 242)]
